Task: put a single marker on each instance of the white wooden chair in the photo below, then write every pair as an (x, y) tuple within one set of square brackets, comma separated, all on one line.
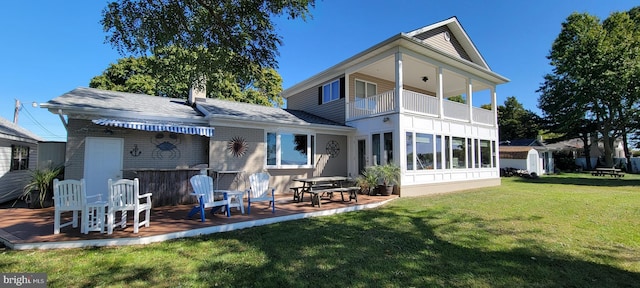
[(259, 191), (70, 196), (207, 197), (124, 196)]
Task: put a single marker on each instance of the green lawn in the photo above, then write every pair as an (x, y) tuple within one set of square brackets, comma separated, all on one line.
[(571, 230)]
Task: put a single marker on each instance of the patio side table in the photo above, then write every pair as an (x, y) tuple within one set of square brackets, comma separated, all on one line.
[(95, 218), (235, 199)]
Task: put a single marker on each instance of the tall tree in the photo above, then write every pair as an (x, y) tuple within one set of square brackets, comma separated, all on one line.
[(515, 122), (159, 76), (592, 78), (237, 37), (566, 114), (622, 58)]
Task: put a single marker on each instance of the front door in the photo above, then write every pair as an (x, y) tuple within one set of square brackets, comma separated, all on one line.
[(102, 161)]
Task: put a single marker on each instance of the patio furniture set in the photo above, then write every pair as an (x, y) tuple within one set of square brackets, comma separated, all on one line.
[(216, 199), (98, 214), (318, 187), (104, 216)]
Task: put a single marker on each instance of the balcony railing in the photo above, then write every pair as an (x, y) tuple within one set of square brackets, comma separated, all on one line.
[(372, 105), (417, 103)]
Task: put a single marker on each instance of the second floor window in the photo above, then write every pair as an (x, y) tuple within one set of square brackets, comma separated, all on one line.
[(331, 91), (365, 89)]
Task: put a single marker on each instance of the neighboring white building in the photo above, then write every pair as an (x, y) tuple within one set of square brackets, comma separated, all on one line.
[(527, 154), (522, 158), (18, 155)]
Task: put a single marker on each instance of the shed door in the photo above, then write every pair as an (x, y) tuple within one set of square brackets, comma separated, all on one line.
[(102, 160), (533, 163)]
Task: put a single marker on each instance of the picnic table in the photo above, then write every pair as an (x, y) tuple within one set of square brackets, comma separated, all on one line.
[(613, 172), (324, 185)]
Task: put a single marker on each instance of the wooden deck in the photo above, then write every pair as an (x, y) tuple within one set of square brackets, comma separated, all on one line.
[(24, 228)]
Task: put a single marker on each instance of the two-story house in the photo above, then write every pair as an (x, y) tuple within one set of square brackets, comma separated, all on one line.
[(395, 94), (387, 104)]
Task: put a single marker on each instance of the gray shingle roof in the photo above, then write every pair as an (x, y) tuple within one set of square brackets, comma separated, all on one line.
[(90, 99), (259, 113), (8, 128), (138, 106)]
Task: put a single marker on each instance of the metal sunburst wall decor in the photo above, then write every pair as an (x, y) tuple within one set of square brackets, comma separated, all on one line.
[(237, 146), (333, 148)]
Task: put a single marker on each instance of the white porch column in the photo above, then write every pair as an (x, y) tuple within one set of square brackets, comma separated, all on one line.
[(494, 105), (399, 84), (470, 98), (440, 92), (346, 96)]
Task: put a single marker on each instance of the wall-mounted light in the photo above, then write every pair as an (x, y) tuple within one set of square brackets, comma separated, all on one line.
[(385, 119), (425, 78), (108, 131)]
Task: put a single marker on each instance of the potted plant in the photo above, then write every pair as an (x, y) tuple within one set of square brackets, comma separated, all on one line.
[(367, 181), (39, 190), (388, 175)]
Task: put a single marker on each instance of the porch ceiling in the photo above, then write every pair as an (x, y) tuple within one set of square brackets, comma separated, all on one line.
[(413, 72)]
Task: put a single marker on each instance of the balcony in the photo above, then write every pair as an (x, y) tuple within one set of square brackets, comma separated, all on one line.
[(416, 103)]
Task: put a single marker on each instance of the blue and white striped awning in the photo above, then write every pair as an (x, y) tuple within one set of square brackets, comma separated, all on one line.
[(159, 126)]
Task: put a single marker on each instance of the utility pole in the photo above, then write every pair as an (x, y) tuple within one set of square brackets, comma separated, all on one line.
[(16, 111)]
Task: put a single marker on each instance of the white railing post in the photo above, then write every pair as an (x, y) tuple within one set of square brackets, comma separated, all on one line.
[(470, 98), (399, 84), (494, 106), (440, 92), (346, 96)]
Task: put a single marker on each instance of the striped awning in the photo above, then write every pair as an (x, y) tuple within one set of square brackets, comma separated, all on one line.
[(160, 126)]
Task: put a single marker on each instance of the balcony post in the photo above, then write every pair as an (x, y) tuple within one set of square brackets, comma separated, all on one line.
[(470, 98), (346, 100), (440, 92), (399, 84), (494, 105)]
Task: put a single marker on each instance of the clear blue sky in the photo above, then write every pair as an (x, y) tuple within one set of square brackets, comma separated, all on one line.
[(51, 47)]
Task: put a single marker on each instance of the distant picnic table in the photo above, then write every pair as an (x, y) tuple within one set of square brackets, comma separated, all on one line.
[(613, 172)]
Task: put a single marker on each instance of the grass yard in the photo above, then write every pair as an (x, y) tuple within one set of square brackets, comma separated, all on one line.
[(570, 230)]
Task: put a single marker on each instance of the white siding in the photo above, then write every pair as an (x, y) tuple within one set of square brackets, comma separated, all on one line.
[(12, 182), (308, 101)]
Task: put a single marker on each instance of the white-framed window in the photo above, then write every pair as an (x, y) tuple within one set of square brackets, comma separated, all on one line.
[(424, 151), (427, 151), (382, 148), (485, 152), (19, 157), (331, 91), (364, 89), (289, 149), (458, 151)]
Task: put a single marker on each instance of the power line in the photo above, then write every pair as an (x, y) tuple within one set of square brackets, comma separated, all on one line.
[(38, 123)]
